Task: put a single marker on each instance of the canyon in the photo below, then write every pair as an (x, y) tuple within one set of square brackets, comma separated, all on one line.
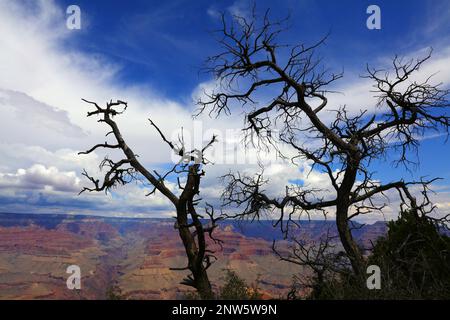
[(132, 257)]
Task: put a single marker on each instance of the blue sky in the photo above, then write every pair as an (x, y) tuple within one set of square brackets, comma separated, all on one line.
[(151, 53), (165, 43)]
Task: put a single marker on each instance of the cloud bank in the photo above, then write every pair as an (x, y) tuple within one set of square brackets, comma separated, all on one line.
[(44, 122)]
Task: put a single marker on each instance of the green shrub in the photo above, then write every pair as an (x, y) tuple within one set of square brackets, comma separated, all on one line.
[(235, 288), (414, 260), (114, 293)]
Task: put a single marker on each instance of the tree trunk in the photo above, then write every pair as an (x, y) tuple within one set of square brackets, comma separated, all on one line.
[(200, 279), (202, 283), (342, 207), (350, 246)]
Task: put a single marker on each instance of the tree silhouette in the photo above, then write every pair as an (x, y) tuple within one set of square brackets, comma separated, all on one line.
[(192, 231), (343, 148)]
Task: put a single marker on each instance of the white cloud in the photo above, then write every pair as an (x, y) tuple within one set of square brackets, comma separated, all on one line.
[(43, 117), (41, 177), (26, 119)]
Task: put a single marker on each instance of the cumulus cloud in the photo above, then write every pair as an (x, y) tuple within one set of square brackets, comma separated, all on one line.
[(41, 177)]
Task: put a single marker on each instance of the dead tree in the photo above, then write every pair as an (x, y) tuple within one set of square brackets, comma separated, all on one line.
[(191, 229), (322, 257), (253, 60)]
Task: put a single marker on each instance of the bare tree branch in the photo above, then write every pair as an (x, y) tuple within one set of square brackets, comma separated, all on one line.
[(190, 165), (343, 149)]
